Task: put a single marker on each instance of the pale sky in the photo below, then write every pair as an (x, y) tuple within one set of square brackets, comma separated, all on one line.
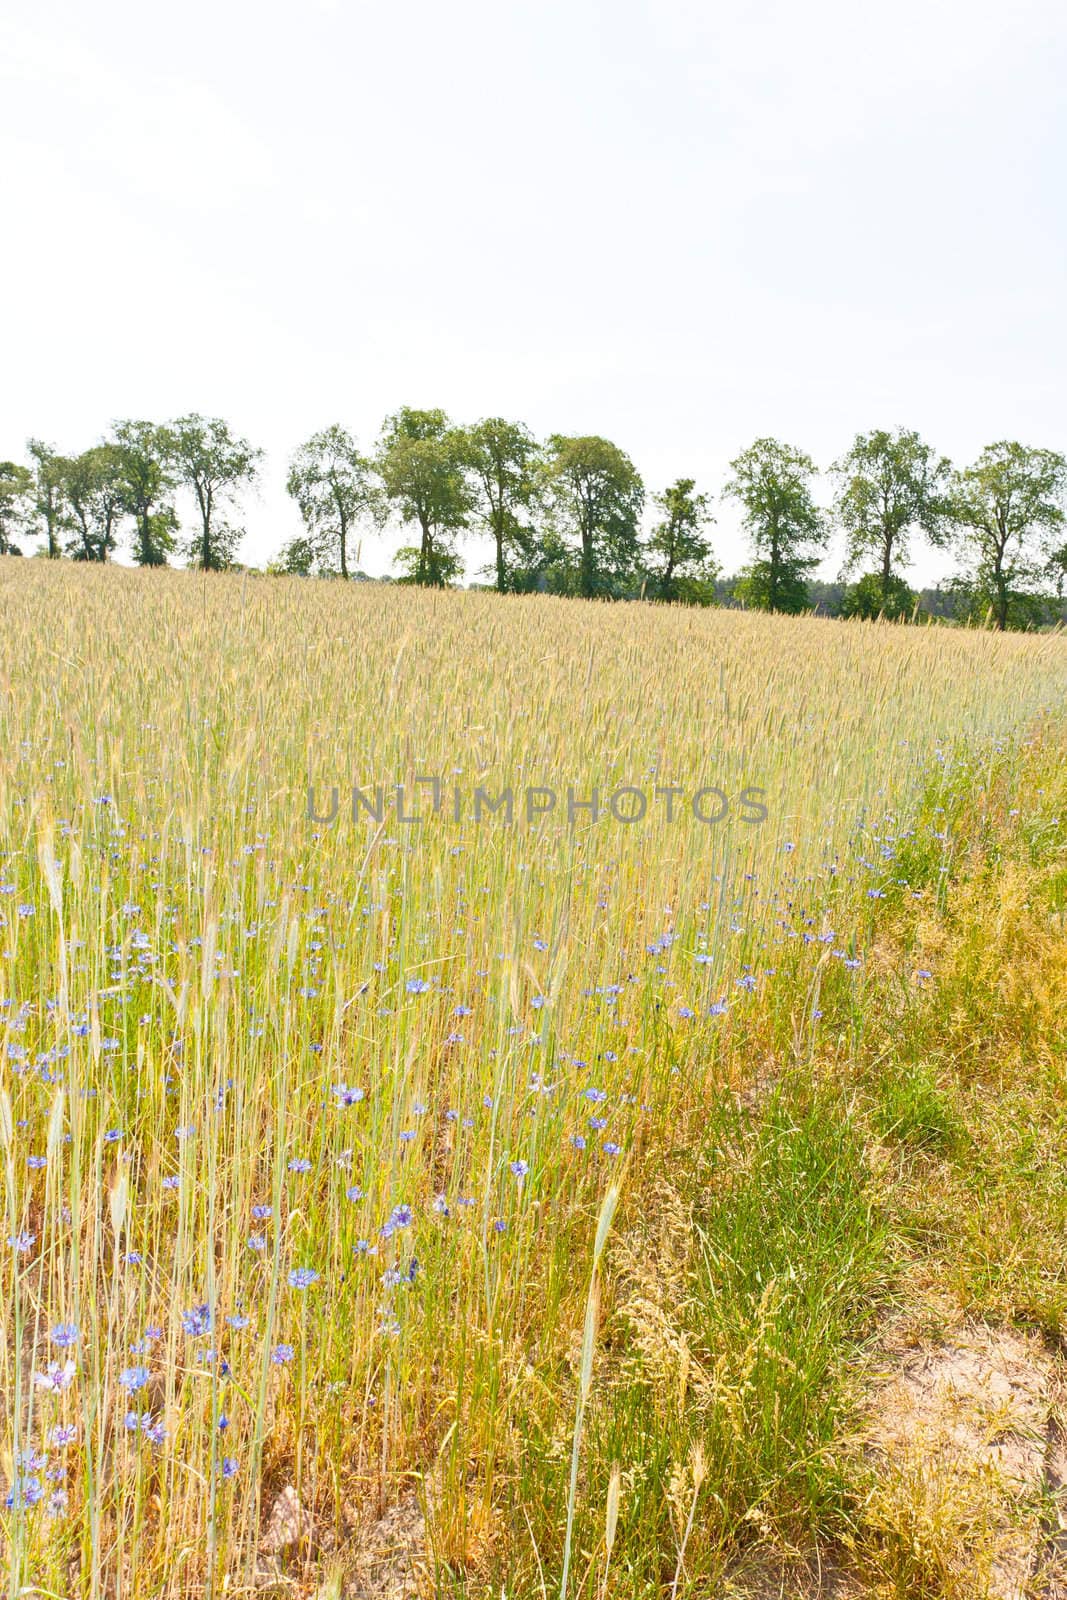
[(677, 224)]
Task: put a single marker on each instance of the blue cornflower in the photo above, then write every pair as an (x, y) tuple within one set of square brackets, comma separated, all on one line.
[(300, 1164), (133, 1378), (282, 1354), (302, 1277), (611, 1149), (347, 1096), (261, 1212), (24, 1492), (197, 1321), (399, 1217), (229, 1466), (64, 1334), (256, 1241), (354, 1192), (416, 986), (519, 1168)]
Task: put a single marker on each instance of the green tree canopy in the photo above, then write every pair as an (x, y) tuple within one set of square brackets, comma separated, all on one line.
[(332, 485), (51, 515), (1008, 509), (502, 460), (678, 545), (868, 598), (146, 475), (422, 459), (889, 486), (215, 465), (16, 491), (595, 496), (93, 484), (772, 483)]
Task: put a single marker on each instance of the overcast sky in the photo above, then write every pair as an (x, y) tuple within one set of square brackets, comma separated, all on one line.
[(676, 223)]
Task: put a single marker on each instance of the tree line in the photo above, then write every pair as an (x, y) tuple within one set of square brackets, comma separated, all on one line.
[(568, 514)]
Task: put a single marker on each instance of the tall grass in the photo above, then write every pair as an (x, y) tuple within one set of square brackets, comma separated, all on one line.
[(311, 1123)]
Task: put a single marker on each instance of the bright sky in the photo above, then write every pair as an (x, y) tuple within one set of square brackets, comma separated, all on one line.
[(676, 223)]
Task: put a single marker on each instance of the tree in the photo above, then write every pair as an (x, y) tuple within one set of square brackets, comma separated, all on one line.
[(1008, 509), (146, 476), (49, 504), (595, 496), (421, 458), (502, 459), (772, 482), (542, 563), (94, 489), (1056, 567), (215, 465), (295, 559), (868, 598), (16, 490), (331, 483), (678, 542), (445, 566), (890, 484)]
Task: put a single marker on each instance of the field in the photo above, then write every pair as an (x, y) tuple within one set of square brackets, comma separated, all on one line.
[(548, 1206)]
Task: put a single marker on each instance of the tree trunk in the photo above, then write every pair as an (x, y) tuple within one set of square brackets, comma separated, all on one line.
[(588, 570), (772, 586), (422, 571), (1002, 593), (668, 578)]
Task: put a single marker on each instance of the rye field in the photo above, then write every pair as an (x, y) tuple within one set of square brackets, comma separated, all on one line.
[(661, 1194)]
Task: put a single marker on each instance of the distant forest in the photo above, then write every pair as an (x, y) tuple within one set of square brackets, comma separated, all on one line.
[(571, 515)]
